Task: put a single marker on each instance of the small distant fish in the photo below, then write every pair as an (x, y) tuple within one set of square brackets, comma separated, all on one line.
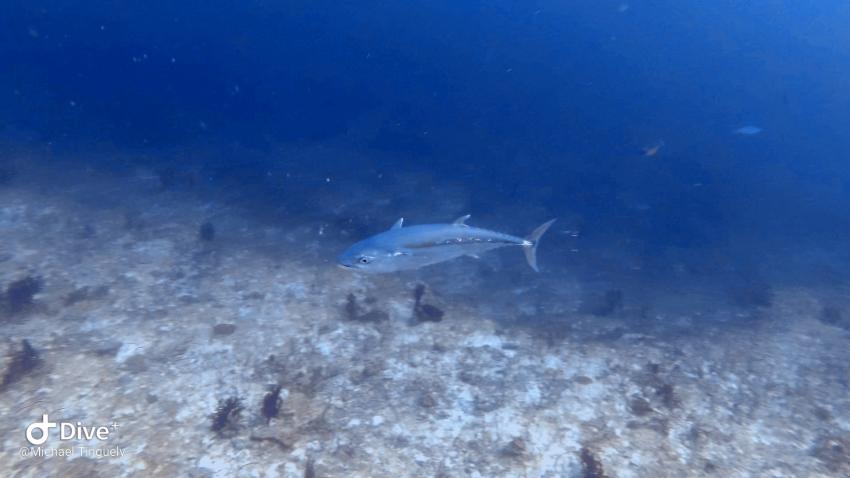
[(404, 248), (652, 150), (748, 130)]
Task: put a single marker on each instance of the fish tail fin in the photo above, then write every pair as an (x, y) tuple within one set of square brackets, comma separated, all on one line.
[(533, 240)]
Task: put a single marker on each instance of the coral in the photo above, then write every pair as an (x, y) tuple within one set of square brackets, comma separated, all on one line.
[(591, 467), (21, 362), (226, 415)]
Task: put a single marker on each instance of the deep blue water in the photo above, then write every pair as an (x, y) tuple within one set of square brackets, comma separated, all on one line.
[(542, 106)]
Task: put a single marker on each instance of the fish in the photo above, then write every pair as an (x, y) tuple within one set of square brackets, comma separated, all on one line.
[(650, 151), (748, 130), (404, 248)]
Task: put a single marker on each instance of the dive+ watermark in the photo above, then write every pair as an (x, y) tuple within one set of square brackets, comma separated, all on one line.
[(38, 433)]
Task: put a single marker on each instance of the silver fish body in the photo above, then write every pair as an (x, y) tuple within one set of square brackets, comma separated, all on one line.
[(404, 248)]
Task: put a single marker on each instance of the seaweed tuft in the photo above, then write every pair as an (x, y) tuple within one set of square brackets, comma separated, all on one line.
[(424, 312), (18, 296), (226, 415), (516, 449), (352, 309), (591, 467), (640, 406), (21, 362), (271, 404), (310, 468)]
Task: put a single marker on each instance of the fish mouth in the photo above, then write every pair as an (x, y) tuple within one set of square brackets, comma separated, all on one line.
[(345, 267)]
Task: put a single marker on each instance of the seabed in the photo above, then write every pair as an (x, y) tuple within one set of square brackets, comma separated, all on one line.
[(140, 322)]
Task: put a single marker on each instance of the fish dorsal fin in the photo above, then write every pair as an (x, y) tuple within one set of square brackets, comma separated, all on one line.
[(398, 223), (461, 221)]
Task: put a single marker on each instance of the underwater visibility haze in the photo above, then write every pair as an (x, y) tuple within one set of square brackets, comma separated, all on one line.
[(203, 271)]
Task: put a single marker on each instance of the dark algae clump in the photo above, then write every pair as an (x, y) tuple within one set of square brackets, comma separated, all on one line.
[(591, 467), (354, 311), (222, 330), (18, 296), (226, 416), (516, 449), (424, 312), (310, 468), (85, 294), (833, 451), (271, 403), (21, 362), (640, 406)]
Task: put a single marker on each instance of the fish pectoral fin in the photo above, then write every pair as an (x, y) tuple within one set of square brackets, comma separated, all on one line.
[(398, 223), (461, 221), (474, 256)]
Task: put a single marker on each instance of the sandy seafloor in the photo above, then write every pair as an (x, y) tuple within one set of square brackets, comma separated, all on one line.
[(515, 380)]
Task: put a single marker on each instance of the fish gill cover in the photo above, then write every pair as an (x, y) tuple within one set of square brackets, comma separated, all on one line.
[(177, 180)]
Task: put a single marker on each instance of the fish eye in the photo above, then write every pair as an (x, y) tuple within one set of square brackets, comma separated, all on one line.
[(363, 260)]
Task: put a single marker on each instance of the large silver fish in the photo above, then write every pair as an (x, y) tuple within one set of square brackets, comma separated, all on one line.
[(402, 248)]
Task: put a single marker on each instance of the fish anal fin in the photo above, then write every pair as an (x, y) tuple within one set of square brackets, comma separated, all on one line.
[(398, 223), (461, 221)]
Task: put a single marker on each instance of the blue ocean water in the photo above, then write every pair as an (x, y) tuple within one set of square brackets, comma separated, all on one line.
[(162, 161)]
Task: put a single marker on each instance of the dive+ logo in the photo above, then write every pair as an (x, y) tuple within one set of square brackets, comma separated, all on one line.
[(67, 431)]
